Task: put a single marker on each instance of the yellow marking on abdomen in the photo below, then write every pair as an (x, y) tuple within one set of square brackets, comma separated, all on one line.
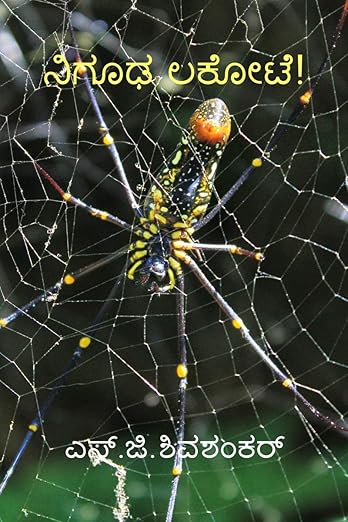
[(177, 158)]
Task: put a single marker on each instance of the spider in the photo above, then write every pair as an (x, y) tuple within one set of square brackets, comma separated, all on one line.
[(163, 246)]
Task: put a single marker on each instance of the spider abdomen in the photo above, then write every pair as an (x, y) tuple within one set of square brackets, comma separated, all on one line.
[(181, 192)]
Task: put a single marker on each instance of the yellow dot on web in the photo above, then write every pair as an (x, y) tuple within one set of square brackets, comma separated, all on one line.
[(84, 342), (176, 471), (237, 324), (257, 162), (259, 256), (3, 323), (69, 279), (306, 97), (287, 383), (33, 428), (108, 139), (181, 371)]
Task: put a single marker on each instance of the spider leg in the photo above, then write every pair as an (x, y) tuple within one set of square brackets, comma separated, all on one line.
[(232, 249), (68, 280), (181, 371), (300, 106), (285, 380), (83, 344), (103, 129), (37, 421), (69, 198)]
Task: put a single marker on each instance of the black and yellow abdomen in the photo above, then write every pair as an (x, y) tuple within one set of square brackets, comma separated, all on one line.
[(181, 193)]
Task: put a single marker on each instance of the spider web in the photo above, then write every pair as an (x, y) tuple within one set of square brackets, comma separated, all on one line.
[(294, 303)]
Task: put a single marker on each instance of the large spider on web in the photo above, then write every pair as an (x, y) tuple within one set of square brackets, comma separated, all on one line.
[(163, 246)]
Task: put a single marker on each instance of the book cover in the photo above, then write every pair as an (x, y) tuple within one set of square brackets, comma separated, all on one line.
[(173, 261)]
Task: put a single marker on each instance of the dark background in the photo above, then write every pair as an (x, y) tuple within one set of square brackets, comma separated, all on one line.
[(294, 303)]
